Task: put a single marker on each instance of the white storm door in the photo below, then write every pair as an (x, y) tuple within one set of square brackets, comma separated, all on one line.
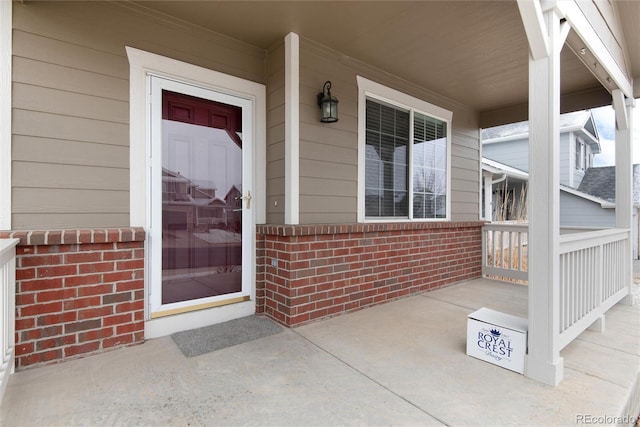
[(200, 214)]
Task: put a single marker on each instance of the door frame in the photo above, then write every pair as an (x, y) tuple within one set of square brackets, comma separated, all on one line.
[(142, 66)]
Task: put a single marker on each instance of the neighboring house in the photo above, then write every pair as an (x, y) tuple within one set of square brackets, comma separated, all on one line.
[(592, 205), (600, 182), (101, 100), (579, 143)]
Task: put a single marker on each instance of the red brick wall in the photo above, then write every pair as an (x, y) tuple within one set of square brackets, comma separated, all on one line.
[(316, 271), (77, 292)]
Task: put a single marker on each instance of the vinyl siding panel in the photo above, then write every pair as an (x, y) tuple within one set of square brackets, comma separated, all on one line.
[(64, 151), (70, 103), (329, 152), (53, 176), (465, 193), (64, 103), (38, 73), (54, 220), (47, 125), (513, 153), (576, 211), (63, 201)]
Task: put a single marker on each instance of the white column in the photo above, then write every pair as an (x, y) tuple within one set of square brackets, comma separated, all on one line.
[(488, 196), (543, 360), (6, 31), (292, 131), (624, 175)]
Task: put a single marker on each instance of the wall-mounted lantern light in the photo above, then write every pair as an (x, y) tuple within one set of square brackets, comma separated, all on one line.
[(328, 104)]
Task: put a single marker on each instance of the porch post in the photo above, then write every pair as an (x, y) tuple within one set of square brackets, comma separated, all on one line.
[(292, 129), (488, 196), (543, 361), (6, 31), (624, 176)]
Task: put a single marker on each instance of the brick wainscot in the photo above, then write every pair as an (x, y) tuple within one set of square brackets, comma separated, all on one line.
[(77, 292), (310, 272)]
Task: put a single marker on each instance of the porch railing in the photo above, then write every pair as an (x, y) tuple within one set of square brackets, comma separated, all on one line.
[(504, 251), (594, 270), (7, 309), (593, 278)]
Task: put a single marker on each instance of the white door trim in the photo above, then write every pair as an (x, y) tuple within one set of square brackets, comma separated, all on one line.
[(142, 65), (6, 67)]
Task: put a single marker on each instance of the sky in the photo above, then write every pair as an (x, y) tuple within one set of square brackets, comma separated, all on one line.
[(605, 122)]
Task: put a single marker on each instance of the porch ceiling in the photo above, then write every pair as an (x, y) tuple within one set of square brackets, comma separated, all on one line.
[(474, 52)]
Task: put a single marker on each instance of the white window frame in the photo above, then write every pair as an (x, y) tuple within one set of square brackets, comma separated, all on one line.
[(580, 154), (368, 89)]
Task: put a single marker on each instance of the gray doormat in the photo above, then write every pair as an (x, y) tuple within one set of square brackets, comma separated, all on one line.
[(215, 337)]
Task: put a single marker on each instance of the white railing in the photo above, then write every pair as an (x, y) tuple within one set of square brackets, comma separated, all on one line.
[(593, 277), (7, 309), (504, 251)]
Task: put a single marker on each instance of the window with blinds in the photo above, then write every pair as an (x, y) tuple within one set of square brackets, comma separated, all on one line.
[(406, 163)]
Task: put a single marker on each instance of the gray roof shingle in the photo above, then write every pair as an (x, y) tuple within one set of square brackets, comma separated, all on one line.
[(601, 182)]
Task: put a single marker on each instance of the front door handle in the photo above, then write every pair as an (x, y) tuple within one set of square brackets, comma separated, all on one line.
[(247, 198)]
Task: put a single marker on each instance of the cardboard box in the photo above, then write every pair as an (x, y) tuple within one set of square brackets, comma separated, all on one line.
[(497, 338)]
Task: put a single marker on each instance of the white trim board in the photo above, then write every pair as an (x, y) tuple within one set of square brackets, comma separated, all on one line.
[(6, 24), (292, 129)]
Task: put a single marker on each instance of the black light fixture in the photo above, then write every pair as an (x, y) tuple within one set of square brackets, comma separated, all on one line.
[(328, 104)]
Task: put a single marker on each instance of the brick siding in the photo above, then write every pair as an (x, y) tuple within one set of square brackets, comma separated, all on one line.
[(77, 292), (317, 271), (80, 292)]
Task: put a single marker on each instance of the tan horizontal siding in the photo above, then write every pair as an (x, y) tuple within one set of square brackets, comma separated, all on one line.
[(48, 75), (54, 101), (464, 211), (315, 150), (53, 175), (328, 218), (92, 24), (56, 200), (465, 175), (329, 152), (321, 169), (70, 55), (329, 187), (51, 220), (71, 103), (45, 125), (61, 151)]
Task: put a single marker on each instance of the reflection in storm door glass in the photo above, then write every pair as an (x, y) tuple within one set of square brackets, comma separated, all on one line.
[(201, 181)]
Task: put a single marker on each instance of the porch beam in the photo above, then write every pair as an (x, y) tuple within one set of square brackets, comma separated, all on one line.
[(569, 102), (292, 129), (544, 363), (534, 26), (592, 42)]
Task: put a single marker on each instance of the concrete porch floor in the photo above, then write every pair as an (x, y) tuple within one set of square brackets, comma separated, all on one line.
[(402, 363)]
